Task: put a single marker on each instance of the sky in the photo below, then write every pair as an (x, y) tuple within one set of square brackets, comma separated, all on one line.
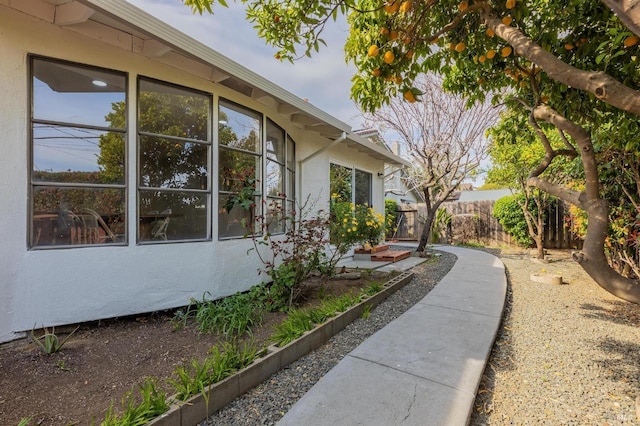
[(324, 80)]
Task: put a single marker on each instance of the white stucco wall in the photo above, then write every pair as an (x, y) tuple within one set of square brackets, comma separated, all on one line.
[(60, 286)]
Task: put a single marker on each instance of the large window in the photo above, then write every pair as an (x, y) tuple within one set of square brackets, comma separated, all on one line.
[(78, 154), (279, 178), (174, 153), (254, 190), (239, 169)]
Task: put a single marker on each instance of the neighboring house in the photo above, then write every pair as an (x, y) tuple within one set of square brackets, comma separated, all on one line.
[(125, 146)]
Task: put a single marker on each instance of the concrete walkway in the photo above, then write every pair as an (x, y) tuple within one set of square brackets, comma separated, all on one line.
[(424, 367)]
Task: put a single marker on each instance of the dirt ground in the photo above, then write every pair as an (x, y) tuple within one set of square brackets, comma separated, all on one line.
[(104, 360)]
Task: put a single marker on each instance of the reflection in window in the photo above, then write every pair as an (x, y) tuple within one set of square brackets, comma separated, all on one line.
[(240, 166), (349, 187), (275, 177), (362, 188), (174, 146), (78, 154)]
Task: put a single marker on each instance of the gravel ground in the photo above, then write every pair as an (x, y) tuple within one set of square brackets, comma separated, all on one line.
[(565, 355), (268, 402)]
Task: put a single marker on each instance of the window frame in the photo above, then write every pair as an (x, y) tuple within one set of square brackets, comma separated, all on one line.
[(140, 188), (262, 158), (34, 184)]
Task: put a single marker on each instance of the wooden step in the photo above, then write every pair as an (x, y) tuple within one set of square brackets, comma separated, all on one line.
[(390, 256)]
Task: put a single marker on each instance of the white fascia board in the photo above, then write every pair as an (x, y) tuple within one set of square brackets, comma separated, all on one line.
[(379, 151), (137, 18)]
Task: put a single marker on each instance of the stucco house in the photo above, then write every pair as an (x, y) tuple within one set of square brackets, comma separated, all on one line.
[(125, 143)]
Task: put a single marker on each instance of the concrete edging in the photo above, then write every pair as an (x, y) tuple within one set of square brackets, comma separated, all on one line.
[(197, 408)]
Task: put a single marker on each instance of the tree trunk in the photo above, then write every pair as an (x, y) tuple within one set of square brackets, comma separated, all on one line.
[(426, 231), (592, 257)]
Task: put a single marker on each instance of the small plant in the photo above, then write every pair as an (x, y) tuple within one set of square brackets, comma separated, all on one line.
[(373, 288), (181, 317), (49, 342), (139, 409), (192, 379), (231, 316), (293, 327), (25, 421), (220, 364), (366, 312)]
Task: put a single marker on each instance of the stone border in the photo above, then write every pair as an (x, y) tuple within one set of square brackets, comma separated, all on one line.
[(198, 408)]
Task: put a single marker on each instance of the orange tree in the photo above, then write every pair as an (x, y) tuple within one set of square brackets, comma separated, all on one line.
[(569, 63)]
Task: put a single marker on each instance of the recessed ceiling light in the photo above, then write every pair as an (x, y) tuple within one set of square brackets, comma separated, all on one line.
[(99, 83)]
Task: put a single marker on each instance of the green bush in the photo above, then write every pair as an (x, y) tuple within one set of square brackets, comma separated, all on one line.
[(390, 217), (509, 213)]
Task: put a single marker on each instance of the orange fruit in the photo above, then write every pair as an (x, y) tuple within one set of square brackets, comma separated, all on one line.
[(569, 46), (376, 72), (460, 47), (409, 96), (409, 54), (463, 6), (391, 8), (406, 39), (490, 32), (452, 46), (393, 35), (507, 20), (384, 31), (482, 58), (398, 79), (389, 57), (405, 6), (510, 4), (373, 50), (544, 99), (506, 51), (631, 41), (491, 54)]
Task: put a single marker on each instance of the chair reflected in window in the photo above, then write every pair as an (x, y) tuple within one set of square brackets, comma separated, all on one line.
[(159, 229), (96, 229)]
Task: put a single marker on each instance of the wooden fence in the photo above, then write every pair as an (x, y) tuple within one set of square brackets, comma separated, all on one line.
[(473, 222)]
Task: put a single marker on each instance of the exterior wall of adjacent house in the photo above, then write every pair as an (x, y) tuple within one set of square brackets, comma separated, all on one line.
[(54, 286)]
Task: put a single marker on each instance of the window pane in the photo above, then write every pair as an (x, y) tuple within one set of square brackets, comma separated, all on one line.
[(275, 143), (63, 216), (274, 179), (71, 154), (236, 222), (340, 182), (172, 111), (77, 94), (290, 191), (239, 128), (275, 216), (172, 215), (173, 164), (291, 155), (363, 187), (237, 169)]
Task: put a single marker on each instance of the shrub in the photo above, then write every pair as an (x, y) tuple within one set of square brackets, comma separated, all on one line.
[(355, 224), (509, 213), (390, 217), (289, 259)]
